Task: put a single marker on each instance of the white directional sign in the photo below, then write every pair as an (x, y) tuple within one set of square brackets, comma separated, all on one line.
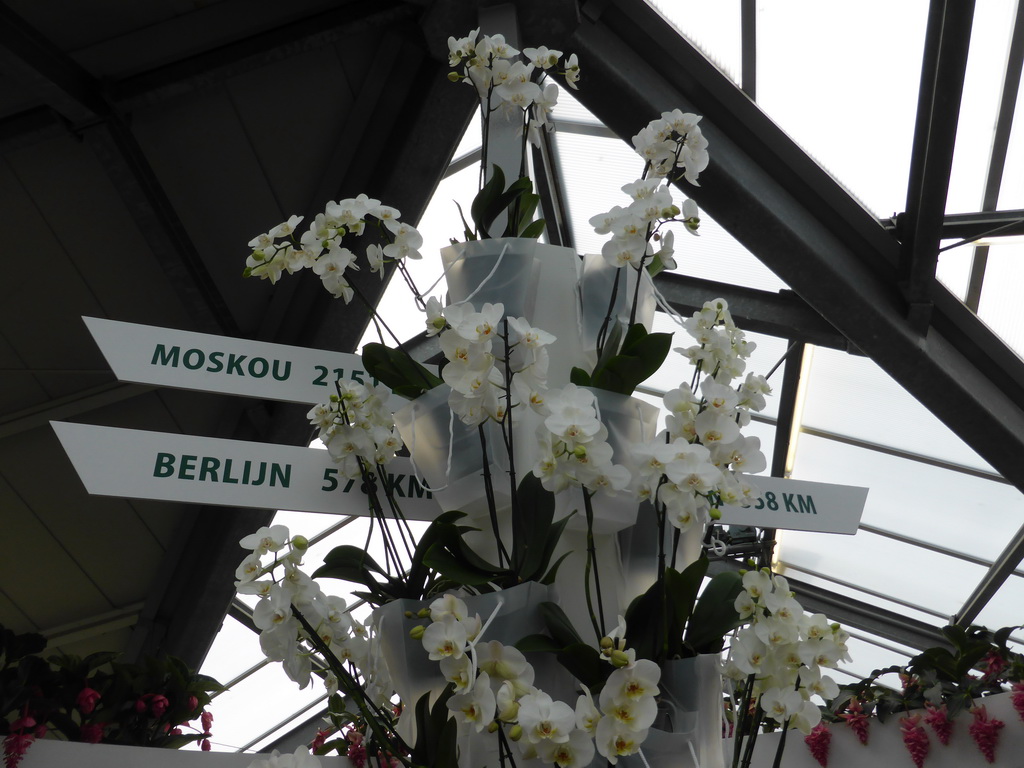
[(801, 505), (203, 470), (146, 354)]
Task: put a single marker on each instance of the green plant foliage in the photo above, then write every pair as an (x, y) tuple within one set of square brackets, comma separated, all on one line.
[(975, 662), (623, 368), (398, 371), (519, 201), (133, 704), (669, 621), (442, 559)]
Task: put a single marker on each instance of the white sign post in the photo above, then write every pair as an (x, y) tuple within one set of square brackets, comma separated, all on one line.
[(166, 357), (203, 470), (802, 506)]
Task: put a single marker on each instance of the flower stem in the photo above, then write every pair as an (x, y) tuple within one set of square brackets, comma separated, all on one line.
[(492, 507), (592, 562)]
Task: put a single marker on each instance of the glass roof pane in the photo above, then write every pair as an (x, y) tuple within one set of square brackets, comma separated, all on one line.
[(796, 573), (594, 169), (1006, 608), (1011, 192), (242, 713), (1000, 294), (954, 268), (713, 27), (852, 396), (983, 82), (855, 113), (945, 508), (235, 649), (867, 657), (936, 582)]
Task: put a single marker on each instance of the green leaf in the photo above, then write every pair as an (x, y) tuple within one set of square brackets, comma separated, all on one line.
[(539, 644), (398, 371), (549, 577), (468, 233), (715, 614), (485, 199), (530, 547), (579, 377), (456, 570), (585, 664), (558, 625), (645, 623), (641, 356), (534, 229)]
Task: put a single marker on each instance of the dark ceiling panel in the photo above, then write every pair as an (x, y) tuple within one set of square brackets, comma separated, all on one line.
[(217, 187), (47, 279), (86, 215), (292, 116), (29, 582)]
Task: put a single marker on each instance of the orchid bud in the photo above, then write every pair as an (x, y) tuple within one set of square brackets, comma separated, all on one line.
[(300, 543), (492, 726), (619, 659), (454, 77), (607, 643), (416, 633), (423, 613), (515, 732), (715, 513)]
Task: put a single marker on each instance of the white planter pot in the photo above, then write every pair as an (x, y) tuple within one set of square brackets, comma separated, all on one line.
[(533, 280), (639, 547), (447, 453), (628, 421), (596, 291), (51, 753), (412, 672), (689, 721)]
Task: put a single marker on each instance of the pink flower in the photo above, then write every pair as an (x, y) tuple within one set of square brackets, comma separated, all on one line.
[(938, 719), (140, 705), (15, 746), (1017, 697), (985, 732), (193, 702), (857, 720), (319, 739), (86, 700), (817, 742), (91, 733), (993, 664), (915, 738), (158, 704), (357, 754), (206, 719), (205, 745)]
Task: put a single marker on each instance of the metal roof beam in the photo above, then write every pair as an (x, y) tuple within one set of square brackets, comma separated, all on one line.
[(787, 211), (947, 41), (782, 314)]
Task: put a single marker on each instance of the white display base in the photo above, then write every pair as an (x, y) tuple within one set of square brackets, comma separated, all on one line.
[(50, 753), (885, 745)]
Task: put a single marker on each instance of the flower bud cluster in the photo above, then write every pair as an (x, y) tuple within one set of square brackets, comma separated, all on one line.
[(574, 449), (636, 229), (322, 247), (785, 650), (673, 146), (485, 382), (494, 688), (706, 460), (517, 79), (356, 425), (282, 636)]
